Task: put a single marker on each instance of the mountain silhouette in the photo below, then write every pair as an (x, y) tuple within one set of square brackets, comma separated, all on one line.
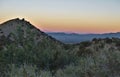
[(11, 26), (72, 38)]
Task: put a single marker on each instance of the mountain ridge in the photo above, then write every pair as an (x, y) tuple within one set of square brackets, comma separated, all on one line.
[(12, 26), (83, 33), (77, 38)]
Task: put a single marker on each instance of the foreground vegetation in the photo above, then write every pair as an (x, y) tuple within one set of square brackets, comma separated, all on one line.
[(24, 57)]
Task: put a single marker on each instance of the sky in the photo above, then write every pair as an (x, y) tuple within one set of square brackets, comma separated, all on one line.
[(71, 16)]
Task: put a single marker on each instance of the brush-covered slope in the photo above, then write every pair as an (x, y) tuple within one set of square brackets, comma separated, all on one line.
[(19, 31), (26, 51), (15, 29), (21, 43)]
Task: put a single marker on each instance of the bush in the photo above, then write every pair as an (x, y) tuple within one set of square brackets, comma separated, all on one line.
[(27, 71)]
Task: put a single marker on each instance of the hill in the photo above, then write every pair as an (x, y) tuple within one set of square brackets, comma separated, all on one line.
[(25, 51), (13, 26), (22, 43)]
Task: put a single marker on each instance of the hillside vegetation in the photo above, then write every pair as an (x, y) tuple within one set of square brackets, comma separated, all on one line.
[(24, 54)]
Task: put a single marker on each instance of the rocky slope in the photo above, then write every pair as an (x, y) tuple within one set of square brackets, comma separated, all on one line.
[(11, 27)]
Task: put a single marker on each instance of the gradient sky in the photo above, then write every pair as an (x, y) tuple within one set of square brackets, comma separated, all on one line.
[(78, 16)]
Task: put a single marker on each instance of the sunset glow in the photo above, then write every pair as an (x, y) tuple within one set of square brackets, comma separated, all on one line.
[(74, 16)]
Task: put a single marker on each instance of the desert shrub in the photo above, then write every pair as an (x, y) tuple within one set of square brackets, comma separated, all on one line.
[(96, 40), (27, 71), (101, 45), (85, 44), (83, 48), (108, 40)]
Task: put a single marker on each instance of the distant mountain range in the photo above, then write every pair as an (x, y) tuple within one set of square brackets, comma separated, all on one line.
[(76, 38)]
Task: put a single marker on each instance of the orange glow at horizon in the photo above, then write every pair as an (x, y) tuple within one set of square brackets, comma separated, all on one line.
[(97, 25), (74, 25), (76, 16)]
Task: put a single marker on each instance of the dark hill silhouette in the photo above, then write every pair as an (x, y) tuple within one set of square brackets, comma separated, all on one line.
[(11, 26)]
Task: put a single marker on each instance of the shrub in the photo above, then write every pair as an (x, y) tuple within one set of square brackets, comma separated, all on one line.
[(27, 71)]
